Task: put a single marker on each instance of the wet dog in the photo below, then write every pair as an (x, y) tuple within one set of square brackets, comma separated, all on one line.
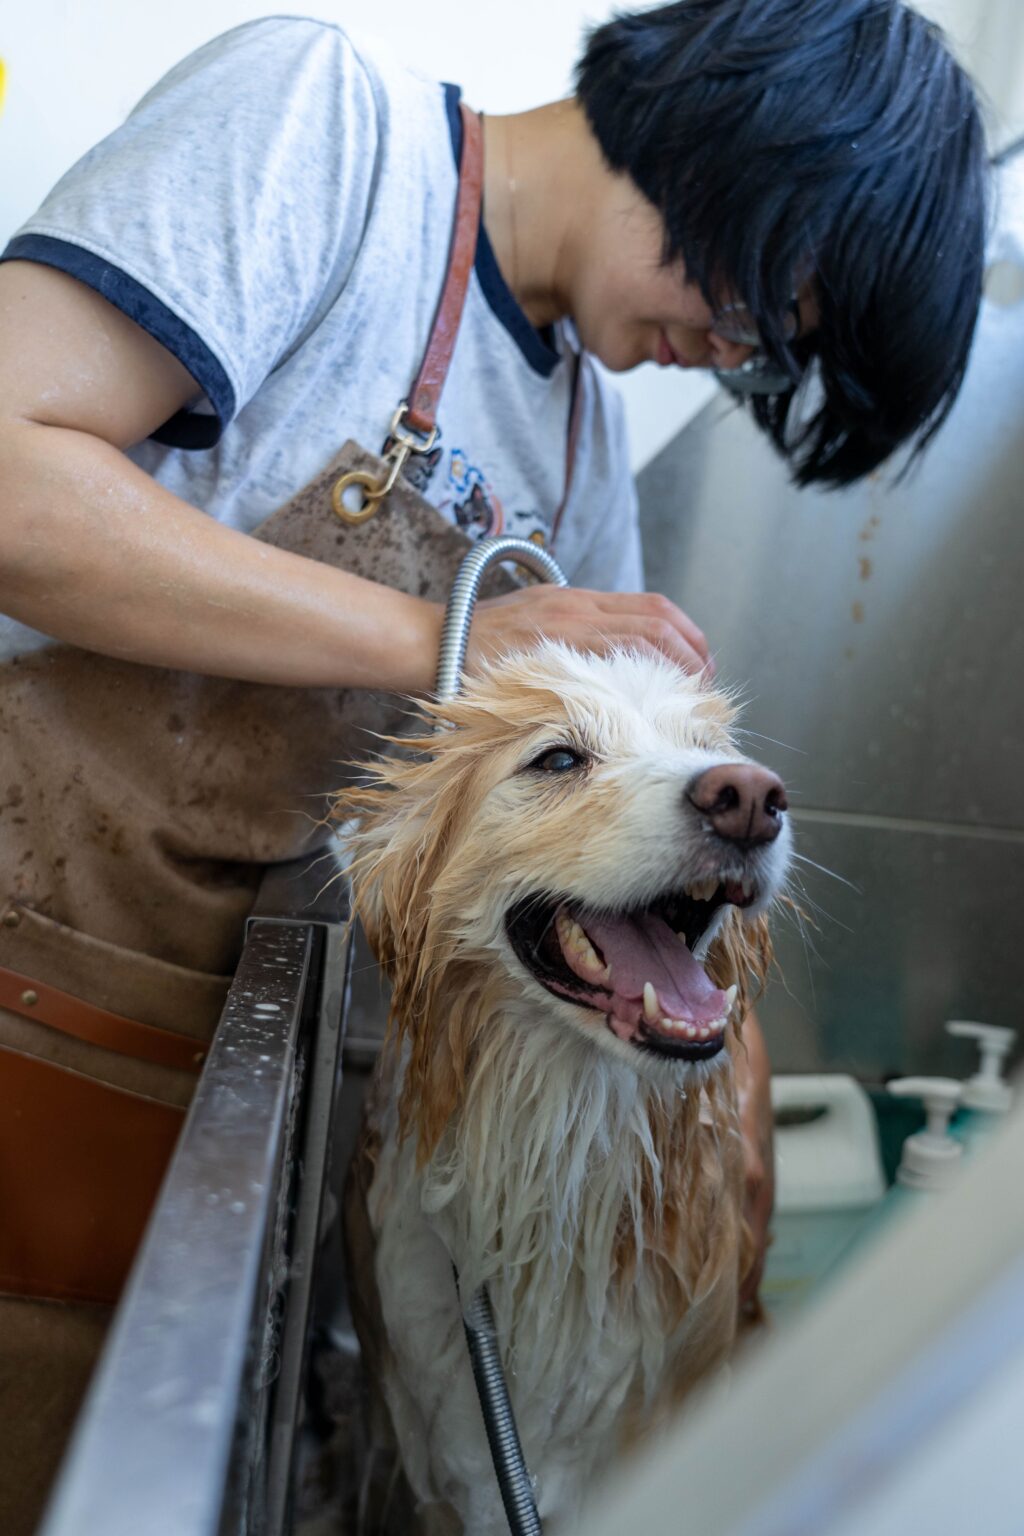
[(567, 882)]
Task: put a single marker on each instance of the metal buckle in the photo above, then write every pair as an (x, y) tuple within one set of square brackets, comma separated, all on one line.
[(403, 443)]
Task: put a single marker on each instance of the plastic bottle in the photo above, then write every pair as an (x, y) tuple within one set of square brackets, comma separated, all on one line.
[(931, 1157), (987, 1096)]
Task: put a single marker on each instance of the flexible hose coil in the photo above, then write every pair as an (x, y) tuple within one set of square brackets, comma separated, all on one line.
[(499, 1420), (465, 588), (481, 1336)]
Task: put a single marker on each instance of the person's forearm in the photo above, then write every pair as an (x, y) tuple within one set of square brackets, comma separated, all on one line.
[(97, 554)]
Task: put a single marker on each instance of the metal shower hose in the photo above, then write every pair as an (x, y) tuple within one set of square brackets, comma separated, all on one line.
[(481, 1336)]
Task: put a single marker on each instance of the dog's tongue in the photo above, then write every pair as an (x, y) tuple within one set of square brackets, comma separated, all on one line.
[(643, 948)]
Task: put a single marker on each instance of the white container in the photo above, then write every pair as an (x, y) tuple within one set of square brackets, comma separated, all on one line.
[(987, 1091), (828, 1177)]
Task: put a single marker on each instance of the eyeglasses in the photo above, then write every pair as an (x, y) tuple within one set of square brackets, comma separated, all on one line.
[(735, 323), (757, 374)]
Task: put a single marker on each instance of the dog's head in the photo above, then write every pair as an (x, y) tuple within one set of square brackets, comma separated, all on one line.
[(581, 845)]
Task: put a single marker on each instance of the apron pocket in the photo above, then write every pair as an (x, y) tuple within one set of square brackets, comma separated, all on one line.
[(86, 1128), (121, 981), (80, 1166)]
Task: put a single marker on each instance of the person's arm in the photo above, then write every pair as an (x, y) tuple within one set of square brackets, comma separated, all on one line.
[(95, 553), (753, 1081)]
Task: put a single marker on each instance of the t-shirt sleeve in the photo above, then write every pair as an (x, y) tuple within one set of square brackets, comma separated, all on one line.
[(225, 215), (606, 512)]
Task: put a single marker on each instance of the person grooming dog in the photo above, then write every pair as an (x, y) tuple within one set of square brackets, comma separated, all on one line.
[(205, 332)]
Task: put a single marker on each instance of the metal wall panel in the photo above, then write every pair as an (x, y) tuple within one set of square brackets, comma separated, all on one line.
[(928, 930), (878, 634)]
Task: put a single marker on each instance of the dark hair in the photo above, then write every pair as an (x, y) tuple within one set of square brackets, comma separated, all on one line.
[(833, 138)]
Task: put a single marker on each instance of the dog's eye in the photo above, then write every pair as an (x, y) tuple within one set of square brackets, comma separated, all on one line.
[(559, 760)]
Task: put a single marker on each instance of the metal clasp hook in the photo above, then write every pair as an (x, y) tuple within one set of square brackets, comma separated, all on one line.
[(403, 444)]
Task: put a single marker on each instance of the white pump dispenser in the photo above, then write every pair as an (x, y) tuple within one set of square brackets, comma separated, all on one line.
[(930, 1157), (987, 1090)]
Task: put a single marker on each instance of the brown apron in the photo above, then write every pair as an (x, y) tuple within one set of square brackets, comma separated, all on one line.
[(140, 809)]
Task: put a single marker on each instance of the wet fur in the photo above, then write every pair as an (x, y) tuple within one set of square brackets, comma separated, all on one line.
[(594, 1189)]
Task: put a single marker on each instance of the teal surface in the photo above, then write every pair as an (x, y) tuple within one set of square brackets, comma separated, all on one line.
[(897, 1119), (810, 1249)]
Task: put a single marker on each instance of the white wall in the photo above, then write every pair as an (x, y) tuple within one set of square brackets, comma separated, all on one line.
[(988, 36)]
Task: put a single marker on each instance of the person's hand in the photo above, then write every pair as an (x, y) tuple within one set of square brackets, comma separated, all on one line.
[(753, 1082), (592, 621)]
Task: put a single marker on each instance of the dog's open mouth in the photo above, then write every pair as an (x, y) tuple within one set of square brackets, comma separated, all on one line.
[(637, 967)]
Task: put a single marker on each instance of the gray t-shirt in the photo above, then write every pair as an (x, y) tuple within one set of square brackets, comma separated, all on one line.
[(277, 212)]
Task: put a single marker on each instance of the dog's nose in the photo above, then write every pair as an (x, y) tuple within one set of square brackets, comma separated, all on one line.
[(743, 802)]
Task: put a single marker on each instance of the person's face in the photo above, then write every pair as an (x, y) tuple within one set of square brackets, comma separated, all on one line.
[(630, 308)]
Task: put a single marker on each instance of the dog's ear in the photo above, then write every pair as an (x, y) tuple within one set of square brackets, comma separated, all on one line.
[(398, 851), (408, 818), (741, 954)]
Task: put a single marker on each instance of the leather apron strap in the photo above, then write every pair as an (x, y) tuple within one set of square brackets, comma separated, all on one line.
[(425, 394)]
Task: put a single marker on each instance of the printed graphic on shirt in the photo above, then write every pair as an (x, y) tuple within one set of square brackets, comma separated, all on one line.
[(476, 516), (477, 508), (479, 512), (528, 525), (462, 475), (418, 468)]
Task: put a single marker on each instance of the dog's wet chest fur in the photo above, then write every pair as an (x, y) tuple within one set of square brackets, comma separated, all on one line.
[(612, 1296)]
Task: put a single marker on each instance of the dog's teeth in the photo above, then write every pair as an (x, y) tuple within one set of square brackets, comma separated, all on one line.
[(677, 1026), (573, 938), (704, 1032), (652, 1013), (730, 999), (691, 1030), (592, 965), (747, 887)]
